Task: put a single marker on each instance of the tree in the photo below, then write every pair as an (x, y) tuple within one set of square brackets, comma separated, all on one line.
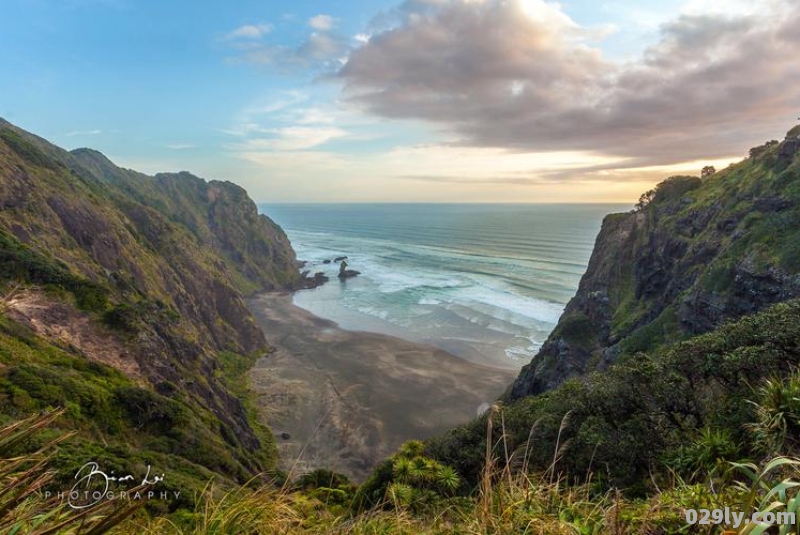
[(707, 172), (645, 199)]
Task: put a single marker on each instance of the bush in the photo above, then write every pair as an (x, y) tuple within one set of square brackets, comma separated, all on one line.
[(776, 428), (577, 329), (409, 479), (146, 409), (633, 418), (675, 187)]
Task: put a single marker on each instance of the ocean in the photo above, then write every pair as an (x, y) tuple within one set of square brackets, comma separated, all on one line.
[(486, 282)]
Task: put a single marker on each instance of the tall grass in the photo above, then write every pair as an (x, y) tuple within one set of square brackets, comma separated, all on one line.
[(24, 474), (508, 500)]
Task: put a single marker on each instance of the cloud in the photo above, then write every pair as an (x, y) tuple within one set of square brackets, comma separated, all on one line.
[(315, 116), (180, 146), (249, 32), (84, 133), (433, 173), (521, 75), (288, 99), (291, 138), (321, 22), (318, 51)]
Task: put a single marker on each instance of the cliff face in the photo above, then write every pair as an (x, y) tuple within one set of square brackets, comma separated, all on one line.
[(699, 253), (155, 270)]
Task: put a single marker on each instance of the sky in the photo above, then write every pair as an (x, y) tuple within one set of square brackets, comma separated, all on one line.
[(415, 101)]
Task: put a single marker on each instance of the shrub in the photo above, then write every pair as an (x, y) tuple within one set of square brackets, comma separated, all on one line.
[(146, 409), (776, 428), (675, 187), (577, 329)]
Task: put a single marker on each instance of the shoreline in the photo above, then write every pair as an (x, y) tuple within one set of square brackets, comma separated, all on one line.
[(348, 399)]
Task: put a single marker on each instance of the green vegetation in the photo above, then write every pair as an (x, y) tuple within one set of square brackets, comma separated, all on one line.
[(24, 475), (409, 480), (134, 425), (20, 262), (101, 267), (508, 500), (695, 253), (28, 151), (576, 329), (159, 266), (636, 418)]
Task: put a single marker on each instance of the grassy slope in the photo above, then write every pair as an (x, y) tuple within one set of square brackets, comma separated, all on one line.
[(158, 265)]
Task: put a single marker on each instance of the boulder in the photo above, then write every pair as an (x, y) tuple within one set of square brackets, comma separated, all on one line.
[(348, 274)]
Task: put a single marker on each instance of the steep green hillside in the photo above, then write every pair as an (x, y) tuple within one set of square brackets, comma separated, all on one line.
[(688, 306), (122, 299), (694, 254)]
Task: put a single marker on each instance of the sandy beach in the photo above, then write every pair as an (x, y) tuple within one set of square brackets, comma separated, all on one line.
[(344, 400)]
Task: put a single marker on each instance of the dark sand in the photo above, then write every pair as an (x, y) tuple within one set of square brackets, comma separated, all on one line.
[(349, 399)]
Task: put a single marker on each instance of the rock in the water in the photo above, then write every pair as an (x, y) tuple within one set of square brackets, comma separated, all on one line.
[(345, 273), (318, 279), (326, 261), (339, 259)]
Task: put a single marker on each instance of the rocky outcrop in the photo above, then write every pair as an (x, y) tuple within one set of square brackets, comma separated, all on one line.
[(699, 254), (345, 273), (317, 280)]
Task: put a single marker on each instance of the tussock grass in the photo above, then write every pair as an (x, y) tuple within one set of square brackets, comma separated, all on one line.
[(23, 476), (508, 500)]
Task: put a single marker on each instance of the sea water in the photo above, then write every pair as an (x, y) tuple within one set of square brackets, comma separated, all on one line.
[(486, 282)]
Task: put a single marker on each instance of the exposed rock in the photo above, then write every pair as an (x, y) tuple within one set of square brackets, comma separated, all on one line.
[(339, 259), (62, 323), (345, 273), (674, 269), (318, 279), (772, 203), (788, 149)]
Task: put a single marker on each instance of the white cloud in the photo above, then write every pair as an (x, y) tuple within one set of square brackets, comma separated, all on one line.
[(288, 99), (84, 133), (320, 50), (429, 173), (291, 138), (727, 8), (180, 146), (315, 116), (249, 31), (710, 85), (321, 22)]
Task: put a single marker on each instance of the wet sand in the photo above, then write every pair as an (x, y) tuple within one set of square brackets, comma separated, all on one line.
[(349, 399)]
